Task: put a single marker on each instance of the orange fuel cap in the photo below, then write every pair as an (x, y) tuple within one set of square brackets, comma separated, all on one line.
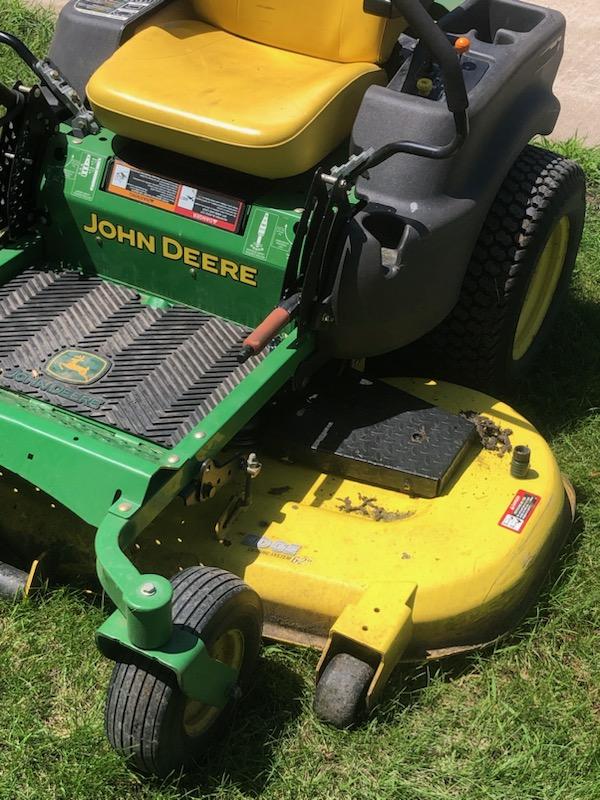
[(462, 45)]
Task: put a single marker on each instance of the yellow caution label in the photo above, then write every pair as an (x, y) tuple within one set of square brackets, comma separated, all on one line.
[(172, 250)]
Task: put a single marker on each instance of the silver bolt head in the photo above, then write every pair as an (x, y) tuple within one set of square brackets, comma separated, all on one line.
[(173, 459), (148, 589), (200, 435), (124, 507)]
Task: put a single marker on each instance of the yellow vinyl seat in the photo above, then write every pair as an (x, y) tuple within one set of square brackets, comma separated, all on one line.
[(267, 89)]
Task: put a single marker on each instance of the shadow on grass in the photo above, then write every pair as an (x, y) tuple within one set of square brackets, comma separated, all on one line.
[(244, 754), (564, 386)]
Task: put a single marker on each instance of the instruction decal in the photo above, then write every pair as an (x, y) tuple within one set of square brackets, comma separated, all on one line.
[(82, 174), (211, 208), (520, 511), (269, 234)]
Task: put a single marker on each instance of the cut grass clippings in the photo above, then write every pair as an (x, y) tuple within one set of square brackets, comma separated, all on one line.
[(519, 723)]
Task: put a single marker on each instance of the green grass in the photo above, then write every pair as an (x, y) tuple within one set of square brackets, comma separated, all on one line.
[(33, 25), (519, 723)]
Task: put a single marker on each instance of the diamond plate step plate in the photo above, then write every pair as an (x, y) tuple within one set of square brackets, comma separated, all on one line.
[(168, 367), (372, 432)]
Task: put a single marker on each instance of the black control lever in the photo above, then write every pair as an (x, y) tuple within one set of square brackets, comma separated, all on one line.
[(434, 38), (83, 119), (430, 33)]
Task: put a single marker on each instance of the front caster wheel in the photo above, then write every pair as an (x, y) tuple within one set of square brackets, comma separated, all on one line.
[(148, 719), (340, 699)]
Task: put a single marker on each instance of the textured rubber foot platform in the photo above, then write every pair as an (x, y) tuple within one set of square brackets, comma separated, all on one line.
[(94, 348), (371, 432)]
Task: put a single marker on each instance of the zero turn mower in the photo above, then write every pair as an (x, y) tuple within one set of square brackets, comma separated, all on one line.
[(226, 226)]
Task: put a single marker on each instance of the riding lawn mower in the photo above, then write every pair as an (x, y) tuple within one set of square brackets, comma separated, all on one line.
[(248, 254)]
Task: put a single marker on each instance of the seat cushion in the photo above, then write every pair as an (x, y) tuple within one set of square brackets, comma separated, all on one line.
[(189, 87)]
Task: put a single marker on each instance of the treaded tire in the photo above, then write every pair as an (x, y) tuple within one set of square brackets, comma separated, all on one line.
[(342, 690), (474, 345), (144, 717)]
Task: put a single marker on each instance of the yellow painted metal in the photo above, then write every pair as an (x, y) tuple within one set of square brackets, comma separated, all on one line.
[(319, 569), (542, 288), (377, 627)]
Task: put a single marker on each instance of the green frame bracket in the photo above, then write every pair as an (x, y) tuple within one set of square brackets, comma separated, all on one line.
[(143, 620), (199, 676)]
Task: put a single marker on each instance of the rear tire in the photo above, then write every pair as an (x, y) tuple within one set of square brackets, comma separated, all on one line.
[(148, 719), (517, 280)]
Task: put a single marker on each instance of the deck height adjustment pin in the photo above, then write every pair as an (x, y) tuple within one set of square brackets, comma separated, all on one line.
[(521, 459)]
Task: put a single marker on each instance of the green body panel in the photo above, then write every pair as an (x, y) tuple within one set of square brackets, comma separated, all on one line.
[(111, 479), (80, 464), (158, 251), (85, 465), (198, 675)]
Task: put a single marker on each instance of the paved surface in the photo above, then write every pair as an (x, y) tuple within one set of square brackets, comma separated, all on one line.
[(578, 85)]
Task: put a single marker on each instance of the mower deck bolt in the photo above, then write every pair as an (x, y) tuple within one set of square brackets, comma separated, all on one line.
[(148, 589), (520, 461), (200, 435), (124, 507), (173, 459)]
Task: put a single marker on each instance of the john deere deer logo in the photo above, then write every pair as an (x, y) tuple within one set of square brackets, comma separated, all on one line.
[(77, 367)]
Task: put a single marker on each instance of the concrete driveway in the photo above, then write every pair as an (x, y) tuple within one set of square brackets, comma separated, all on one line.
[(578, 85)]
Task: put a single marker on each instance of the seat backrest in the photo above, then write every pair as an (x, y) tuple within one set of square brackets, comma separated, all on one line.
[(336, 30)]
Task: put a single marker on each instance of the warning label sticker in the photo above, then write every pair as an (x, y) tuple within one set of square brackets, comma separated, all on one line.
[(520, 511), (116, 9), (201, 205)]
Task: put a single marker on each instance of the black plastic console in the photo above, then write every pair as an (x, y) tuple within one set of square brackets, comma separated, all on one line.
[(408, 248)]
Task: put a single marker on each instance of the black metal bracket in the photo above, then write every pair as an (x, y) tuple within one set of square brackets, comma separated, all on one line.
[(82, 118), (215, 476), (25, 129)]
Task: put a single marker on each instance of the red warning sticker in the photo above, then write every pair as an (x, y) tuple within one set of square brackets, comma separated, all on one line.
[(202, 205), (519, 512)]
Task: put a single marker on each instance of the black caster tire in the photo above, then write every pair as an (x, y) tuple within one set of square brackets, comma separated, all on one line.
[(147, 718), (340, 698), (515, 284)]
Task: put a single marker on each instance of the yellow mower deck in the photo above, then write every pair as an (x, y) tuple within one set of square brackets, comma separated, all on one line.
[(350, 567)]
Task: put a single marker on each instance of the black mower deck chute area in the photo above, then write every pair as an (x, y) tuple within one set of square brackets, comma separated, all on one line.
[(230, 234)]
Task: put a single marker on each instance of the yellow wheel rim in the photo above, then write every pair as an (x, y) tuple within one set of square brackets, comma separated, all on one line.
[(542, 288), (198, 717)]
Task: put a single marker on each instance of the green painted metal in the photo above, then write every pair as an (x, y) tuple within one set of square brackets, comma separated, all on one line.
[(161, 252), (113, 480), (146, 615), (19, 256), (198, 675), (85, 466), (82, 465), (450, 5), (148, 618)]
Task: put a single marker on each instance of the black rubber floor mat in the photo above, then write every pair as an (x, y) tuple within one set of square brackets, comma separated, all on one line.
[(94, 348)]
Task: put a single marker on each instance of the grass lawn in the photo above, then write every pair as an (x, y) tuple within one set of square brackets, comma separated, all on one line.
[(519, 723)]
